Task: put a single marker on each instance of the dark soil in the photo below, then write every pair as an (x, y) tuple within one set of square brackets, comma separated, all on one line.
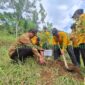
[(48, 75)]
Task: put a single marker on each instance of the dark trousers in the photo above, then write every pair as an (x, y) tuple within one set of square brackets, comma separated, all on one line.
[(72, 55), (70, 51), (77, 54), (21, 54), (82, 50), (56, 53)]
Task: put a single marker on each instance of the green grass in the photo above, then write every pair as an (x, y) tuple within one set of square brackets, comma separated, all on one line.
[(28, 73)]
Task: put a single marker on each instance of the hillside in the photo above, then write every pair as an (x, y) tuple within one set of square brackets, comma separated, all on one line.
[(31, 73)]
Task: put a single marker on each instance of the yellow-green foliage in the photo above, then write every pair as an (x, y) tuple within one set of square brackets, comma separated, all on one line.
[(44, 38)]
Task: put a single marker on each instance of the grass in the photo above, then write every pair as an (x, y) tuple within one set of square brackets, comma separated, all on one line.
[(28, 73)]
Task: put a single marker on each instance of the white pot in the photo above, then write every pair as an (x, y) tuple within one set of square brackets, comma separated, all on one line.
[(48, 52)]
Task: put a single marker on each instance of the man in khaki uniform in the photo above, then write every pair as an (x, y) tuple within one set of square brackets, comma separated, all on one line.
[(24, 48)]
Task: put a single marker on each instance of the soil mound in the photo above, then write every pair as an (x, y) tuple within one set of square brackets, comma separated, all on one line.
[(47, 74)]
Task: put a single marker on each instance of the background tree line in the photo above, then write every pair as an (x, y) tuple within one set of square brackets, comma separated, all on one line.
[(26, 14)]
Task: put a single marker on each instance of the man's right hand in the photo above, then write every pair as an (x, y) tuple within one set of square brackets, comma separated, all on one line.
[(42, 61), (62, 52)]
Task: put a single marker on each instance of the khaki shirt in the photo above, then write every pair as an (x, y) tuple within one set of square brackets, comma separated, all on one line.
[(22, 40)]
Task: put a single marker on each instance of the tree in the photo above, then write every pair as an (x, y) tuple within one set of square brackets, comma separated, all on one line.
[(24, 6), (42, 13), (49, 26)]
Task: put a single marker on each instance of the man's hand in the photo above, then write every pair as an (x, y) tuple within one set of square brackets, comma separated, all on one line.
[(41, 60), (62, 52)]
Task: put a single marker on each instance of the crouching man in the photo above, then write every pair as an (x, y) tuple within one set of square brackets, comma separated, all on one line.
[(23, 48)]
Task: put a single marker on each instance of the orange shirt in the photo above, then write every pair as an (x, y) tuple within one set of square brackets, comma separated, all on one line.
[(74, 39), (34, 40), (81, 38), (63, 40)]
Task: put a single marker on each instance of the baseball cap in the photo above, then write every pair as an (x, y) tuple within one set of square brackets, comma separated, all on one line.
[(77, 13), (54, 31)]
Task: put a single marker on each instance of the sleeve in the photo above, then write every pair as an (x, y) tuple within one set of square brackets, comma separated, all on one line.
[(82, 19), (34, 40), (54, 41), (65, 40)]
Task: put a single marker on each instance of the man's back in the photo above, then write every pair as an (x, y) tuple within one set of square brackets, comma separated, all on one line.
[(22, 40)]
